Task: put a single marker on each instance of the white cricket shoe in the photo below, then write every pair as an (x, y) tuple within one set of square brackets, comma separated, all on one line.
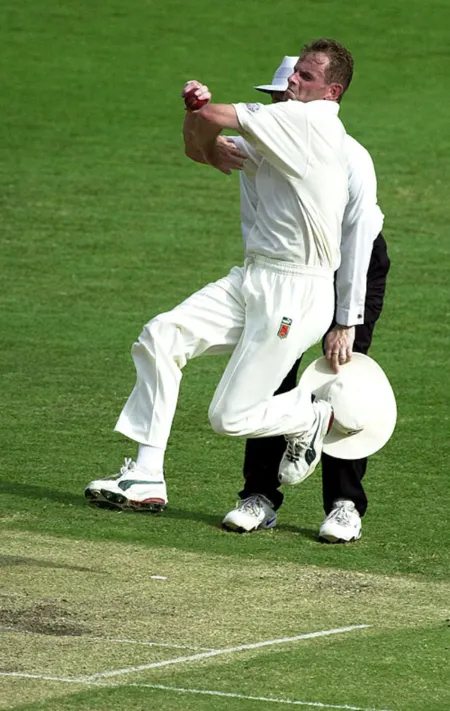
[(131, 488), (303, 453), (251, 514), (343, 523)]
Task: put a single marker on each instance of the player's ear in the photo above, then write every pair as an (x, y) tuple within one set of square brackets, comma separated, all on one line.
[(335, 91)]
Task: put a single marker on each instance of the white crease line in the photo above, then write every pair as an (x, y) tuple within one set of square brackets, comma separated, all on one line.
[(43, 677), (181, 690), (87, 638), (216, 652)]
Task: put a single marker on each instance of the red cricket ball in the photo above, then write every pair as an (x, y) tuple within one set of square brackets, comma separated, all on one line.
[(191, 101)]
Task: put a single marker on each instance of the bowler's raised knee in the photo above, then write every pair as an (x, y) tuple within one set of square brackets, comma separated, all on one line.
[(225, 421)]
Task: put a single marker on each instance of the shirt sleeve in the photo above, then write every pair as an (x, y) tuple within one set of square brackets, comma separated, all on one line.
[(361, 224), (279, 132)]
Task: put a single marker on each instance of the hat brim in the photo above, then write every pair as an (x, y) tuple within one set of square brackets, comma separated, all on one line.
[(381, 411), (269, 88)]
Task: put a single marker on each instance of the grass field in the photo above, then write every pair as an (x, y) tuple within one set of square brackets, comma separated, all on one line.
[(105, 223)]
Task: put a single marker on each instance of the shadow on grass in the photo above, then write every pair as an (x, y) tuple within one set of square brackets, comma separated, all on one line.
[(8, 560), (184, 515), (310, 533), (31, 491), (216, 522)]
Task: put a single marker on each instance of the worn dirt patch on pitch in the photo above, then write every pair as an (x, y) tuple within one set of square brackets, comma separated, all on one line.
[(42, 618)]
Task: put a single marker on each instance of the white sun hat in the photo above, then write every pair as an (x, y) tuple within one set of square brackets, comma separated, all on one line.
[(363, 401), (281, 76)]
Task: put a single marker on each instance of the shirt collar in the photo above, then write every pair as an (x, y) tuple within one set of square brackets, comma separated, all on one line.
[(331, 106)]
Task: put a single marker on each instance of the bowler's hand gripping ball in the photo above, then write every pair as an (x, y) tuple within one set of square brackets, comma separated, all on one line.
[(191, 101)]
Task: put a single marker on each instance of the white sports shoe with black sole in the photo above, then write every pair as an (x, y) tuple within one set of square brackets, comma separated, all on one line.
[(131, 488), (252, 514), (343, 523), (303, 453)]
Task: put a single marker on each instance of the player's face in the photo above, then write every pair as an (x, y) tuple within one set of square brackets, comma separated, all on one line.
[(307, 82)]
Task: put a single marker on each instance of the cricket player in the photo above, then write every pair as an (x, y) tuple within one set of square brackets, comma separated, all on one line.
[(266, 313)]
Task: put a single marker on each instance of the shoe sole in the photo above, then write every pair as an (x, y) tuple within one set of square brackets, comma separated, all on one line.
[(340, 541), (104, 499), (233, 528)]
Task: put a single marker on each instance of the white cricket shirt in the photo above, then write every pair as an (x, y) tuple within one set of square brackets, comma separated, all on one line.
[(361, 224), (301, 181)]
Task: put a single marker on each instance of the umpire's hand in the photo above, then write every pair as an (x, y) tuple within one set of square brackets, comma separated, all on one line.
[(339, 345), (227, 156)]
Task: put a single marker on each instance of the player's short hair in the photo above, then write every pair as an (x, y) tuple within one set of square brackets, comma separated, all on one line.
[(340, 67)]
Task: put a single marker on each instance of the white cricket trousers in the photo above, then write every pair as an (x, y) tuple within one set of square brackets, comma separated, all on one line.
[(246, 313)]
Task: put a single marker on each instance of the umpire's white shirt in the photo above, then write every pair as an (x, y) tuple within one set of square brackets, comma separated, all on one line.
[(361, 224), (301, 181), (363, 221)]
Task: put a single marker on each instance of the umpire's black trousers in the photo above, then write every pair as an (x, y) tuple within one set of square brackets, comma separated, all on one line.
[(341, 478)]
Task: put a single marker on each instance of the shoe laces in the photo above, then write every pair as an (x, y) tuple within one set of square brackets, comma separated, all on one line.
[(295, 448), (342, 513), (126, 468), (251, 506)]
